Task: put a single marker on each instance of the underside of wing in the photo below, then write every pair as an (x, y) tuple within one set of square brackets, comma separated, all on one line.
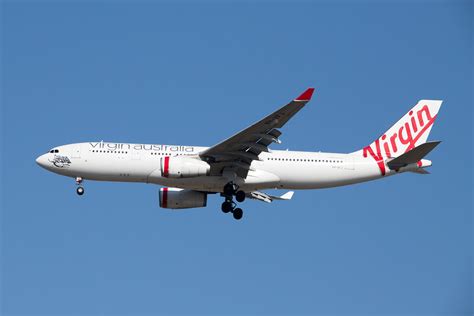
[(237, 152), (264, 197)]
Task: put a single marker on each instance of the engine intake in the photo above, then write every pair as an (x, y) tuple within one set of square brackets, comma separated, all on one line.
[(174, 198), (183, 167)]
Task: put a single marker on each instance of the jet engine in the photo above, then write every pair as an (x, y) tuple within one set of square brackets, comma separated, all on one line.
[(178, 198), (183, 167)]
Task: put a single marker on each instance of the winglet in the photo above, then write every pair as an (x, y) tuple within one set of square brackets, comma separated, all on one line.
[(261, 196), (306, 96), (287, 196)]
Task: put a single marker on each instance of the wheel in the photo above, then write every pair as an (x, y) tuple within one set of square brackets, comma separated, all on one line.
[(80, 190), (238, 213), (240, 196), (226, 207), (229, 189)]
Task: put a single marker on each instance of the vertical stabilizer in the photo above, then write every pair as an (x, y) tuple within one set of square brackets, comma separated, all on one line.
[(409, 132)]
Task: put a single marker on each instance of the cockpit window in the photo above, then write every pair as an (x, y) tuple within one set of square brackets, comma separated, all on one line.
[(52, 151)]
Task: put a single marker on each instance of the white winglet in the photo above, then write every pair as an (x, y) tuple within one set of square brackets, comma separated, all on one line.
[(287, 196), (261, 196)]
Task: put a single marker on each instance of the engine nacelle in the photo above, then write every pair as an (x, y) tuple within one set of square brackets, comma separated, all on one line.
[(178, 198), (183, 167)]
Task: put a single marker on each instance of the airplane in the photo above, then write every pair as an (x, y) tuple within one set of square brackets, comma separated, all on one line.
[(243, 165)]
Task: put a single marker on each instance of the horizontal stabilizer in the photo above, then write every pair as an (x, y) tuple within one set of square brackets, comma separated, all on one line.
[(412, 156)]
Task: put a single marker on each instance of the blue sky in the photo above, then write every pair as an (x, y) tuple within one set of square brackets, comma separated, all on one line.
[(195, 73)]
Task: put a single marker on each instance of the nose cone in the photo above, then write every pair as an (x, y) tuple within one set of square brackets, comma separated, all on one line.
[(42, 160)]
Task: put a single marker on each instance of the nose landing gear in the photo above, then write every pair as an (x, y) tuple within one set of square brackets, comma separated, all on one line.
[(231, 189), (80, 189)]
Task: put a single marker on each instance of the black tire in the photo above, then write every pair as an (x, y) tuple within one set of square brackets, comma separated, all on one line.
[(80, 190), (238, 213), (226, 207), (240, 196), (229, 189)]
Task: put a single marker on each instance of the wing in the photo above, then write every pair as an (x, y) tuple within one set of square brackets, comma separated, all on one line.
[(261, 196), (237, 152)]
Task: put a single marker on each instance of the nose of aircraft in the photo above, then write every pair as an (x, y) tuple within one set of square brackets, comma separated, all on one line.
[(41, 160)]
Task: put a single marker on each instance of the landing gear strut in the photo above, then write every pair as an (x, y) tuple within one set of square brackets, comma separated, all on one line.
[(80, 189), (231, 189)]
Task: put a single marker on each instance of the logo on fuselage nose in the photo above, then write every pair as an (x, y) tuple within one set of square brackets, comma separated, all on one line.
[(60, 161)]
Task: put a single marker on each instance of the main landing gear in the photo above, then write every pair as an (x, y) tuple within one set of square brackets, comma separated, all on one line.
[(230, 189), (80, 189)]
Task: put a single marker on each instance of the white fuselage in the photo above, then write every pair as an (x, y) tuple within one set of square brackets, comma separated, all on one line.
[(275, 170)]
